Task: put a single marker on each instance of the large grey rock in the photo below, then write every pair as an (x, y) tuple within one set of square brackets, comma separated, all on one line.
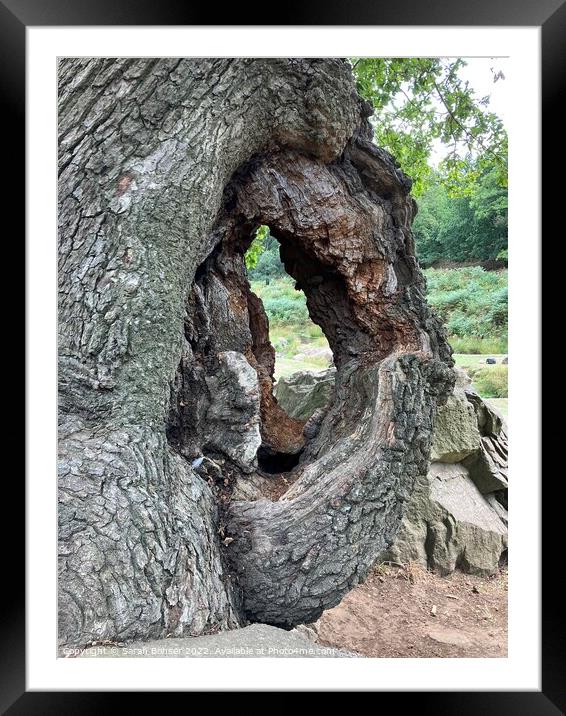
[(449, 524), (457, 515), (303, 392), (490, 420), (256, 640), (488, 466), (456, 432)]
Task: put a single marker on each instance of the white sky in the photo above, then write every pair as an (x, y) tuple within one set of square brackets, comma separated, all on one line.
[(478, 74)]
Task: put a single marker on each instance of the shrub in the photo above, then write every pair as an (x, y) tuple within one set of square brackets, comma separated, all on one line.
[(474, 345), (286, 309), (491, 381), (472, 303)]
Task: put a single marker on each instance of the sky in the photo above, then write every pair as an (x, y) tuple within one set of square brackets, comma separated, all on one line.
[(479, 76)]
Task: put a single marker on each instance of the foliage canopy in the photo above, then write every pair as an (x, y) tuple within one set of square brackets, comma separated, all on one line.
[(419, 100)]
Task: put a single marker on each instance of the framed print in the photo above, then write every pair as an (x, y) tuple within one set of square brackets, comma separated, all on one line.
[(279, 352)]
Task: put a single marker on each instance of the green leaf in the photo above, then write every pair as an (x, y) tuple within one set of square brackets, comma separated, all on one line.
[(257, 247)]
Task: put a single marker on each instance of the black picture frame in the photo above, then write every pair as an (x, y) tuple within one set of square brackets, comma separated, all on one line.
[(550, 15)]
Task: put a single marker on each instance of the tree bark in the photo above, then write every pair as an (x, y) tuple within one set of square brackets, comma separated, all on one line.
[(167, 167)]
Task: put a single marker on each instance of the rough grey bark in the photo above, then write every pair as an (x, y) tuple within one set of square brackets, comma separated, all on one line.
[(167, 166)]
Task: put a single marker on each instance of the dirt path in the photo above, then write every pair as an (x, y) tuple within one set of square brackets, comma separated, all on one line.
[(409, 612)]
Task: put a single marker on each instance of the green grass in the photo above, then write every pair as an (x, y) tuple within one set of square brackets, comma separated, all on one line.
[(475, 360), (290, 339), (282, 303), (490, 381), (483, 346), (472, 303), (288, 366)]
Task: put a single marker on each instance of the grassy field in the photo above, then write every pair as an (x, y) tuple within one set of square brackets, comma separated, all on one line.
[(475, 360), (288, 366)]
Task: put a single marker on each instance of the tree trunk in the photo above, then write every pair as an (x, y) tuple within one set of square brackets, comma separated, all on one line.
[(167, 167)]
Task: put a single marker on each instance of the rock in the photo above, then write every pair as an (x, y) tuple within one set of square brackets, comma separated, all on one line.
[(498, 504), (306, 631), (491, 361), (319, 352), (445, 635), (449, 524), (232, 419), (456, 433), (505, 361), (302, 393), (256, 640), (490, 421), (488, 466)]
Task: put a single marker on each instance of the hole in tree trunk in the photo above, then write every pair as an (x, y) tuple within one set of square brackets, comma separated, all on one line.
[(299, 342), (295, 342), (274, 463), (331, 245)]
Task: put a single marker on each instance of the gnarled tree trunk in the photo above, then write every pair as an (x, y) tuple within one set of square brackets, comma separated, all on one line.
[(167, 167)]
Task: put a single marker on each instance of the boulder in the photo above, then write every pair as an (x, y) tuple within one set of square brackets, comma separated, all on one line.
[(449, 523), (457, 515), (256, 640), (456, 431), (303, 392), (319, 352), (488, 466)]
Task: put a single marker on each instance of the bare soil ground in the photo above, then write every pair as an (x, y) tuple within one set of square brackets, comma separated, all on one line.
[(410, 612)]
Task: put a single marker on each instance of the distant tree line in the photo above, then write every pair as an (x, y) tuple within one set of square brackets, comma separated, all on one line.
[(462, 229)]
